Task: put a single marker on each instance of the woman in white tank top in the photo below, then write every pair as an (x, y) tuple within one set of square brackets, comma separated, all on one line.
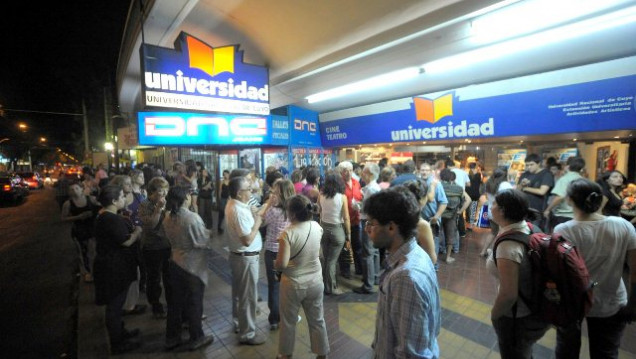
[(334, 218)]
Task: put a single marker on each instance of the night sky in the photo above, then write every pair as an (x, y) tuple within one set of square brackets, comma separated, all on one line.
[(54, 54)]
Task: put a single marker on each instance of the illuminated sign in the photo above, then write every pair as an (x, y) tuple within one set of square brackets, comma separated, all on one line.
[(306, 129), (488, 110), (196, 76), (175, 128)]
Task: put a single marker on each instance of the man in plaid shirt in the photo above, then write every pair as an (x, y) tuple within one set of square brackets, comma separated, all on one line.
[(409, 312)]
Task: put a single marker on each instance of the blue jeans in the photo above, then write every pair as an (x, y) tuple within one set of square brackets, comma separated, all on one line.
[(451, 234), (273, 287), (604, 336), (186, 301), (370, 261)]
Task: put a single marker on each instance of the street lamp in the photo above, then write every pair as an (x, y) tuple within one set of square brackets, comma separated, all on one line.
[(42, 139), (22, 126)]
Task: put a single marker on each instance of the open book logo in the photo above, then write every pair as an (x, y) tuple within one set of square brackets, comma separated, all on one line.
[(208, 59), (433, 110)]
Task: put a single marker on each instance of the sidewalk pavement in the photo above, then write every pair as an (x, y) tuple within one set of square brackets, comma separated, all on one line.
[(93, 339)]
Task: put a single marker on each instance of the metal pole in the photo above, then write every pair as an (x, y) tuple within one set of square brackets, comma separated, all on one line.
[(85, 120)]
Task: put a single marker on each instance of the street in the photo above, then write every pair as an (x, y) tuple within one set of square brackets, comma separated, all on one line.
[(38, 280)]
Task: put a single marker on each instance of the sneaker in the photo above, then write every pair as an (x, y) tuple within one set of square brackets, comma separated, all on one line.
[(273, 326), (124, 347), (299, 319), (257, 339), (201, 342), (450, 259)]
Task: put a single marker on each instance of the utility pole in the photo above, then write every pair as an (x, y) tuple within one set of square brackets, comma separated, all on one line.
[(85, 119)]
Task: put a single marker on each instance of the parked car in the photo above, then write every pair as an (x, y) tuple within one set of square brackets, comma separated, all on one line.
[(33, 179), (11, 192), (20, 183)]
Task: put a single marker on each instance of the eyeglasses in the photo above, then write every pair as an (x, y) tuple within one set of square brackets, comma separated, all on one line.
[(369, 224)]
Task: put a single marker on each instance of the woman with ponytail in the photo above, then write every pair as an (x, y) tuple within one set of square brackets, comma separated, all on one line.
[(301, 280), (190, 242), (605, 242)]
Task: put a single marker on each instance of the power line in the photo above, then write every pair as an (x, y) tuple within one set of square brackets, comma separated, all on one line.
[(47, 112)]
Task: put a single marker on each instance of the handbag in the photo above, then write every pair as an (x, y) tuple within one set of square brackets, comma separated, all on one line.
[(346, 255), (277, 273), (483, 221)]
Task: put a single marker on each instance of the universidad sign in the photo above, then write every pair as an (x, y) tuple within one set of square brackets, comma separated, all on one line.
[(467, 113), (196, 76), (179, 128)]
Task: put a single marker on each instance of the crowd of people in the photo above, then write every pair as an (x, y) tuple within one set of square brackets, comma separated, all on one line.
[(386, 223)]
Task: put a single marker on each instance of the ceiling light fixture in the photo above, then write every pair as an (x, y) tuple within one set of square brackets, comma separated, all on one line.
[(526, 17), (368, 84), (567, 32)]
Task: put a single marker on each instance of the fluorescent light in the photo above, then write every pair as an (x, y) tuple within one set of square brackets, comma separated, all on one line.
[(370, 83), (530, 16), (488, 53)]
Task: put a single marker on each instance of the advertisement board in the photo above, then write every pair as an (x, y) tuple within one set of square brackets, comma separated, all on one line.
[(465, 113), (197, 76), (181, 128)]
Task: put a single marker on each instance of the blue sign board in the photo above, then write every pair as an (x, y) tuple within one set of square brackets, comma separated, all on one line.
[(306, 128), (178, 128), (196, 76), (586, 107)]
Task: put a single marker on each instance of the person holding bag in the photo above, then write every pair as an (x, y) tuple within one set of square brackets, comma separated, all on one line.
[(301, 279), (275, 218)]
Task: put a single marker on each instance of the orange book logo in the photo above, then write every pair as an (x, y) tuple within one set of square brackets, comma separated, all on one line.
[(433, 110), (210, 60)]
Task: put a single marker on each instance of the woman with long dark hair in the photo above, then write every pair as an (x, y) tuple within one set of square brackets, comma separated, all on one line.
[(516, 326), (334, 218), (115, 266), (604, 242), (496, 183), (275, 218), (301, 279), (190, 243), (612, 184)]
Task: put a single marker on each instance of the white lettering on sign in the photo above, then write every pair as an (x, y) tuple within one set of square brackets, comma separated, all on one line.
[(301, 125), (178, 126)]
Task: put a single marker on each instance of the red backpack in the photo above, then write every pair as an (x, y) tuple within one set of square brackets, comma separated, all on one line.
[(560, 291)]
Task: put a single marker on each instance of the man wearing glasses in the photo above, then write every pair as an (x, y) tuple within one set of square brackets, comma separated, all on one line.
[(245, 244), (409, 314)]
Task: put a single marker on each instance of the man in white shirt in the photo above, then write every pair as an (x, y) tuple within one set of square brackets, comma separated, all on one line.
[(245, 244)]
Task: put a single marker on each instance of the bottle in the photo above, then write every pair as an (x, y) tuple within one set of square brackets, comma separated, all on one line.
[(551, 293)]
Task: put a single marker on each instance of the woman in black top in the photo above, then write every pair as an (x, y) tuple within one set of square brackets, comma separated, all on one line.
[(115, 266), (612, 184), (225, 195), (80, 209)]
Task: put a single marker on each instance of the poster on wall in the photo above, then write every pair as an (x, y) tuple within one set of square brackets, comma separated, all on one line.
[(228, 160), (277, 159), (250, 159), (603, 159), (561, 155), (514, 161), (299, 157)]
